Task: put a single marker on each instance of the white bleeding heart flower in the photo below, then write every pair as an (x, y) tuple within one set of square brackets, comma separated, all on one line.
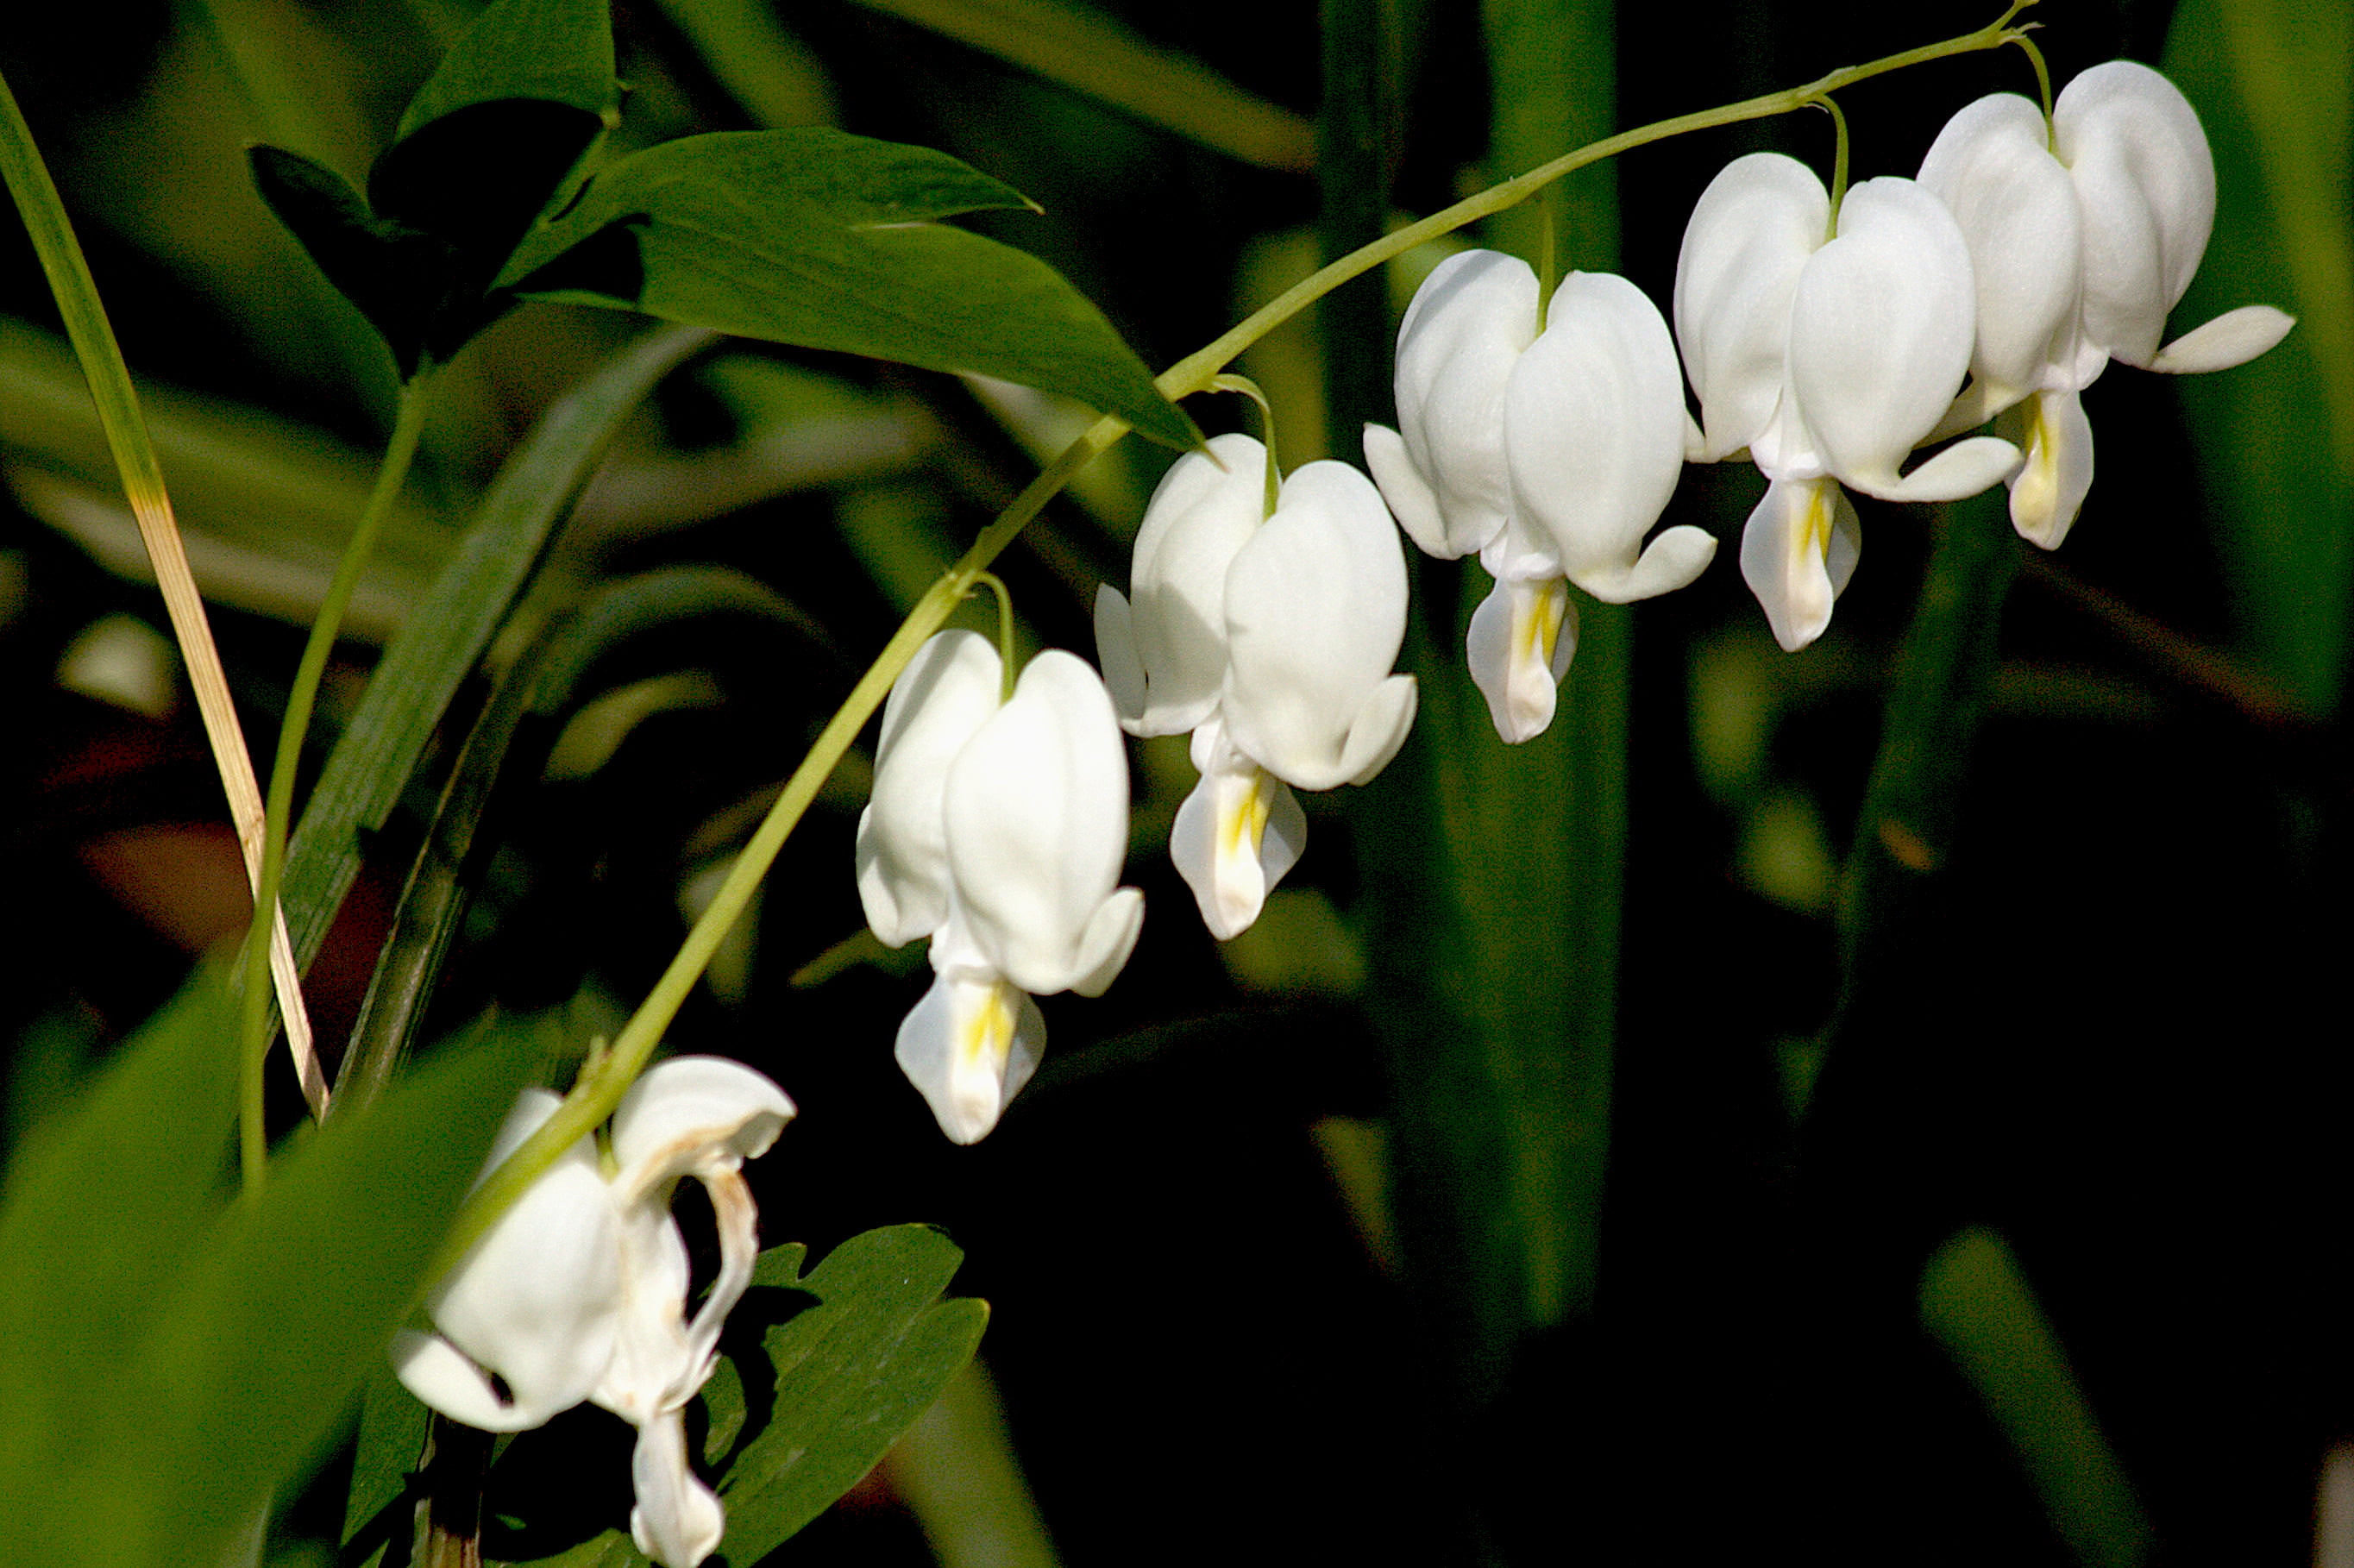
[(1551, 453), (1292, 623), (1003, 825), (1829, 359), (2082, 235), (579, 1290)]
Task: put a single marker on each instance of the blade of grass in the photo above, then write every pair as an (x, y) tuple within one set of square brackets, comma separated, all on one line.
[(52, 233)]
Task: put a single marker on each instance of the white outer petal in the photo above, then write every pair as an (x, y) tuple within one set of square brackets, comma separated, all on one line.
[(1468, 324), (1796, 555), (1594, 421), (1236, 833), (947, 692), (1749, 236), (655, 1367), (1880, 328), (968, 1047), (2232, 338), (1518, 646), (2017, 212), (2133, 143), (695, 1116), (1198, 517), (1407, 492), (1036, 808), (1315, 612), (538, 1302)]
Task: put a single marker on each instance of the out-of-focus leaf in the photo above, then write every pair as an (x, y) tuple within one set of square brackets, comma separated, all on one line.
[(487, 144), (103, 1205), (1977, 1304), (852, 1370), (452, 625), (558, 50), (391, 1439), (1087, 51), (263, 503), (372, 263), (268, 1326), (822, 240), (771, 73), (2274, 84)]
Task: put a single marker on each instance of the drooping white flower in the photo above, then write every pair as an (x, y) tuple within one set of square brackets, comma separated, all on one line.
[(1004, 825), (1290, 625), (2083, 236), (1829, 359), (1551, 453), (579, 1290)]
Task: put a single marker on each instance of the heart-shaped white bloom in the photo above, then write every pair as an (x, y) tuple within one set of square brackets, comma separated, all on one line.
[(1299, 617), (1027, 804), (579, 1290), (1551, 453), (1830, 360), (2082, 238), (947, 692)]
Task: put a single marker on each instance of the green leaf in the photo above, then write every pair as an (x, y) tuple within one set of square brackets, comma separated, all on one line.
[(391, 1440), (372, 263), (273, 1321), (558, 50), (827, 240), (103, 1204), (1979, 1305), (869, 1351), (444, 637)]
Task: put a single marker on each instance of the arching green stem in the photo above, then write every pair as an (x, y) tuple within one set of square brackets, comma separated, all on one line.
[(1007, 654), (1839, 162), (599, 1089), (254, 1023), (1250, 389)]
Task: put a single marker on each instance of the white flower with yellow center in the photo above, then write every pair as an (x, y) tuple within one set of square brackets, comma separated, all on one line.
[(2082, 235), (1272, 640), (1551, 453), (1829, 357), (998, 830)]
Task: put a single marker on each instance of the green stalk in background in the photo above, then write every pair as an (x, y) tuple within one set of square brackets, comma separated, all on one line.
[(27, 178), (254, 1017)]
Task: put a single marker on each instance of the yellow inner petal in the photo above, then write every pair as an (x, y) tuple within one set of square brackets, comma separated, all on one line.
[(1537, 615), (987, 1032)]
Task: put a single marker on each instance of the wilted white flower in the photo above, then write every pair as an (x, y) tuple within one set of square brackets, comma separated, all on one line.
[(1273, 643), (1829, 358), (996, 829), (2082, 235), (1551, 453), (579, 1290)]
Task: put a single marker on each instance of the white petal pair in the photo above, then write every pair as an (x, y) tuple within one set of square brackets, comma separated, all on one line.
[(1551, 453), (2083, 235), (579, 1290), (997, 829), (1272, 640), (1829, 359)]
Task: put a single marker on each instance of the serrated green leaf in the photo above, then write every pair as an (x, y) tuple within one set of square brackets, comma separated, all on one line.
[(271, 1325), (558, 50), (103, 1204), (827, 240), (852, 1369), (445, 635)]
